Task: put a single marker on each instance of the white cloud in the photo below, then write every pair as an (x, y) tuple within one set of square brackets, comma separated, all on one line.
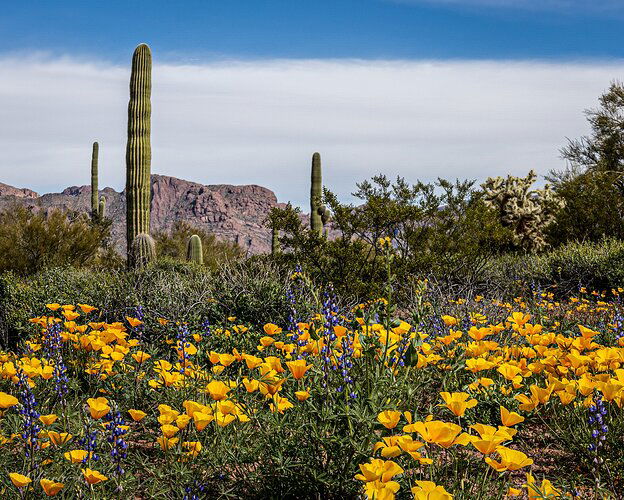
[(260, 121)]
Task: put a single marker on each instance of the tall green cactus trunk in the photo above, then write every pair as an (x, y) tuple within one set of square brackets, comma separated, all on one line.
[(138, 149), (94, 181), (316, 192)]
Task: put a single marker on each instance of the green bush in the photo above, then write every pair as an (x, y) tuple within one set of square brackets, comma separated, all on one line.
[(31, 240), (597, 266), (254, 291), (174, 244)]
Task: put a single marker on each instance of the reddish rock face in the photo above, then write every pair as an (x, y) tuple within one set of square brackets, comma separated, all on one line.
[(6, 190), (232, 213)]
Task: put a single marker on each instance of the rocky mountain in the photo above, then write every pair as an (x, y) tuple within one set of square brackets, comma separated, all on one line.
[(232, 213), (6, 190)]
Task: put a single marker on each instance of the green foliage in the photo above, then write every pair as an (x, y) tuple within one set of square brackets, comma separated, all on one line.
[(138, 149), (174, 244), (592, 185), (30, 240), (528, 213), (94, 181), (254, 291), (442, 228), (594, 206), (194, 251), (563, 270)]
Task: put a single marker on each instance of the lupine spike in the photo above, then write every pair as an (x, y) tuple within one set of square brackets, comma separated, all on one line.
[(138, 149), (316, 193), (94, 181), (194, 250)]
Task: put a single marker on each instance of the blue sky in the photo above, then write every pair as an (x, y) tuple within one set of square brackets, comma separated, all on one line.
[(244, 91), (384, 29)]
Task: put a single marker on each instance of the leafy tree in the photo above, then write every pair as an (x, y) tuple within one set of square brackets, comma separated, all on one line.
[(442, 228), (174, 244), (31, 240), (593, 183)]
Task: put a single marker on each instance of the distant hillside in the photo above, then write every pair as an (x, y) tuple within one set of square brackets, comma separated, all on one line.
[(232, 213)]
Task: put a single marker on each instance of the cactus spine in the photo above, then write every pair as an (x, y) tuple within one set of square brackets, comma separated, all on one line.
[(194, 250), (102, 208), (142, 250), (138, 149), (94, 181), (316, 193)]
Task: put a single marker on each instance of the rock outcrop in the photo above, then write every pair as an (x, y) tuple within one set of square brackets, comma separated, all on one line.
[(6, 190), (232, 213)]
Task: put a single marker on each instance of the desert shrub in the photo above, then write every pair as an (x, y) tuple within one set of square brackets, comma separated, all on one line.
[(31, 240), (594, 207), (253, 291), (174, 244), (444, 228), (594, 265)]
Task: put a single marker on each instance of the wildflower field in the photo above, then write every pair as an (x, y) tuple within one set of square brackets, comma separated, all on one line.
[(461, 398)]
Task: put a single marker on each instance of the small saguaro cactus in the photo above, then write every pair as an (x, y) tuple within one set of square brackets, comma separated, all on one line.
[(275, 246), (316, 193), (138, 149), (94, 181), (102, 208), (142, 251), (194, 250)]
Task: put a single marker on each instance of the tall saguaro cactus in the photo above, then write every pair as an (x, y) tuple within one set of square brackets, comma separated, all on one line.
[(138, 149), (94, 181), (316, 192)]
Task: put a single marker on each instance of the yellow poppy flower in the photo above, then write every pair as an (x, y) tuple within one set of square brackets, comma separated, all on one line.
[(98, 407), (458, 402), (298, 368), (51, 488), (510, 460), (6, 400), (48, 419), (510, 419), (428, 490), (389, 418), (93, 476), (137, 415), (18, 480)]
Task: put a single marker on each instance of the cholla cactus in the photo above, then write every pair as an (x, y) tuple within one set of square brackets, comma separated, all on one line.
[(142, 251), (526, 212), (194, 250)]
